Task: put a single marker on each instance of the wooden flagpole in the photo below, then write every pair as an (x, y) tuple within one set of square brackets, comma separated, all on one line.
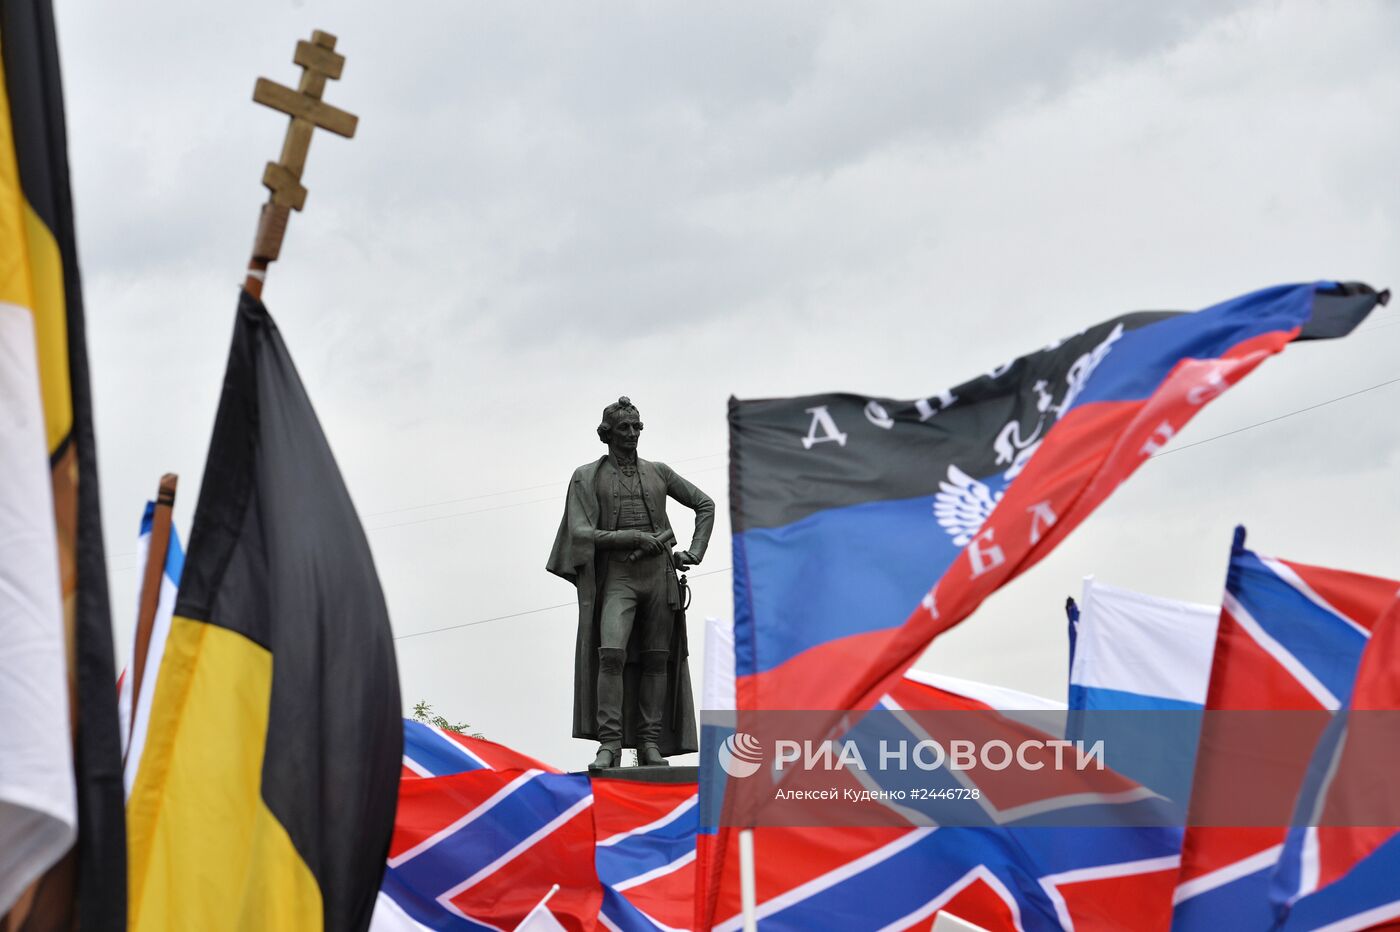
[(319, 63), (156, 550)]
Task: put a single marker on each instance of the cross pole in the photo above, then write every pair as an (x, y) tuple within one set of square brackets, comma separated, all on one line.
[(319, 63)]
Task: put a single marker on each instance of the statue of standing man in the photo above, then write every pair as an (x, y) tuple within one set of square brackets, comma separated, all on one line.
[(631, 681)]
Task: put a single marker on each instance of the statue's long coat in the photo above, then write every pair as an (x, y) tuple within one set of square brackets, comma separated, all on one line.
[(591, 505)]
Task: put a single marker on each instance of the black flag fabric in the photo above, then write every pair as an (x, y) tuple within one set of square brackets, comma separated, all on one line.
[(266, 795)]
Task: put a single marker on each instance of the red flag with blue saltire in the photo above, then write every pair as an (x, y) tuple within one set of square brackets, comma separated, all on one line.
[(864, 527), (645, 853), (484, 833), (479, 849), (830, 879), (1339, 867), (430, 751), (1290, 638)]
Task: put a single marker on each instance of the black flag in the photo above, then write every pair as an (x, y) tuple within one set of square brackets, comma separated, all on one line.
[(266, 795)]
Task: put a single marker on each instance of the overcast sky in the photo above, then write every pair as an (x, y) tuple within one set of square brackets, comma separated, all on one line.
[(550, 205)]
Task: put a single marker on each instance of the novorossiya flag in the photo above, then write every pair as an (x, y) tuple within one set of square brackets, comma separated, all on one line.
[(832, 878), (870, 876), (1291, 637), (43, 347), (1341, 872), (863, 527), (265, 798), (483, 833)]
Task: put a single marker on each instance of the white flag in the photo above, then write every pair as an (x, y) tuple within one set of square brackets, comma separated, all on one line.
[(38, 804)]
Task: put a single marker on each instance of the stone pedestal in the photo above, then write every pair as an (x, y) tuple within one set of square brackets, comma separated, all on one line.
[(649, 774)]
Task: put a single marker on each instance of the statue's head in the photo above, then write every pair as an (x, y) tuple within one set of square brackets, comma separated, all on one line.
[(621, 424)]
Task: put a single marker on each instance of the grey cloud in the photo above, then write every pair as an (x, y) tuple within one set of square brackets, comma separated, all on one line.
[(549, 205)]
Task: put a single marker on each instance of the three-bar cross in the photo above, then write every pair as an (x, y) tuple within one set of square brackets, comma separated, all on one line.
[(319, 63)]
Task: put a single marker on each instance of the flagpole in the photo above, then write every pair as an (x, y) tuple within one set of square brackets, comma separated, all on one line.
[(540, 918), (156, 550), (748, 895), (308, 112)]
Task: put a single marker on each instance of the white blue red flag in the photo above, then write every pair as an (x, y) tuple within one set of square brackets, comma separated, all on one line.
[(1136, 652), (865, 526), (1139, 651), (1290, 639)]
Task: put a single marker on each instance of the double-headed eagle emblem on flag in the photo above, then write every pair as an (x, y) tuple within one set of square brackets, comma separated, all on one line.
[(963, 503)]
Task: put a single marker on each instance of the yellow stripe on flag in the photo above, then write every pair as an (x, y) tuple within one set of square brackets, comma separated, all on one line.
[(205, 851), (31, 275)]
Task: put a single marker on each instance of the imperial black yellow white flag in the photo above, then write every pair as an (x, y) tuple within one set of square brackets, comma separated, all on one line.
[(60, 753), (265, 797)]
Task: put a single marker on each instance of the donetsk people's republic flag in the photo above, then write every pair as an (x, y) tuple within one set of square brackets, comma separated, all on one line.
[(265, 797), (863, 526), (54, 620)]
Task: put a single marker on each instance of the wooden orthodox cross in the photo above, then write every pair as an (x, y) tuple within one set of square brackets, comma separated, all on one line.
[(319, 62)]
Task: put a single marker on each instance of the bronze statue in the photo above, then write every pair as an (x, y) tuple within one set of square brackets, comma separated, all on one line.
[(631, 680)]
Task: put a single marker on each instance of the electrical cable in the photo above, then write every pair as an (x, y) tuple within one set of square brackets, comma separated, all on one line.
[(1240, 430), (528, 611), (536, 501)]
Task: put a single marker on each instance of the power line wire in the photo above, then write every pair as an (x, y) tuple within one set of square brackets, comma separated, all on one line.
[(1187, 446), (528, 611), (462, 514), (528, 488), (469, 498), (477, 511), (536, 501), (1240, 430), (1365, 329), (1228, 433)]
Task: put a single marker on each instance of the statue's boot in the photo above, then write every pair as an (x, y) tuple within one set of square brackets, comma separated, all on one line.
[(606, 758), (611, 661), (651, 706)]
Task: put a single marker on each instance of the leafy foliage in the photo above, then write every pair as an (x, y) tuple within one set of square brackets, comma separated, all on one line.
[(423, 712)]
